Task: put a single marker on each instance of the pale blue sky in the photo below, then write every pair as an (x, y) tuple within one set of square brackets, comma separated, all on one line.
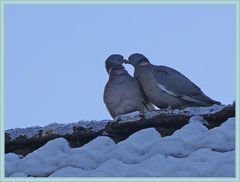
[(54, 54)]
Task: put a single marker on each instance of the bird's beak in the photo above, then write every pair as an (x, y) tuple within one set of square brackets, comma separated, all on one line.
[(125, 61)]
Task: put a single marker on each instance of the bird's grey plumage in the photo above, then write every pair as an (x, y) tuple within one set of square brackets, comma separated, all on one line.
[(166, 87), (122, 93)]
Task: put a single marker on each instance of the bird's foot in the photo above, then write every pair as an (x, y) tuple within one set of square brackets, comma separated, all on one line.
[(117, 119), (142, 114), (168, 110)]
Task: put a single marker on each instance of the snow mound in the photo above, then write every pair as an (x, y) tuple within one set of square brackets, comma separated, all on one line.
[(47, 159), (192, 151), (11, 160)]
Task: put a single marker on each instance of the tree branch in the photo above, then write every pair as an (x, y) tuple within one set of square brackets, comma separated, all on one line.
[(165, 122)]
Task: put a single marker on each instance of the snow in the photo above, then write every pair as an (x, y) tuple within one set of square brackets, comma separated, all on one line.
[(191, 111), (129, 117), (63, 129), (192, 151), (18, 175), (56, 128), (47, 159), (11, 160)]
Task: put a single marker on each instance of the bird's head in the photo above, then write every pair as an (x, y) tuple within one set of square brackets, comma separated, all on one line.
[(114, 61), (137, 60)]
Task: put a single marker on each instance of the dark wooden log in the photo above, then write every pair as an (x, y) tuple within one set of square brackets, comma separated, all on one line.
[(165, 122)]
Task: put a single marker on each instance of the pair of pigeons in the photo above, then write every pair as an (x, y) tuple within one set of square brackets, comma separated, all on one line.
[(151, 85)]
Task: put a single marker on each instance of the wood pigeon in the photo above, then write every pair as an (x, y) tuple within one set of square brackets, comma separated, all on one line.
[(166, 87), (122, 93)]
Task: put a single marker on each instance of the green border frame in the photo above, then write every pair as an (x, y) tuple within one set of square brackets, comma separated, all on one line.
[(237, 142)]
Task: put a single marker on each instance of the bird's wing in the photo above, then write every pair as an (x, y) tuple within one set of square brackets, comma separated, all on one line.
[(144, 99), (147, 104), (176, 84), (111, 98)]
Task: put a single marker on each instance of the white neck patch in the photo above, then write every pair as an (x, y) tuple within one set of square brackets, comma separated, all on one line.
[(109, 71), (143, 63)]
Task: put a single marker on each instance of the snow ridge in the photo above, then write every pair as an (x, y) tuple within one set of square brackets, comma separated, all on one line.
[(56, 128), (63, 129), (191, 151)]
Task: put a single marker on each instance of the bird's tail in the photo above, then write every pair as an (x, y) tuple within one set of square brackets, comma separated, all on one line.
[(207, 101)]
